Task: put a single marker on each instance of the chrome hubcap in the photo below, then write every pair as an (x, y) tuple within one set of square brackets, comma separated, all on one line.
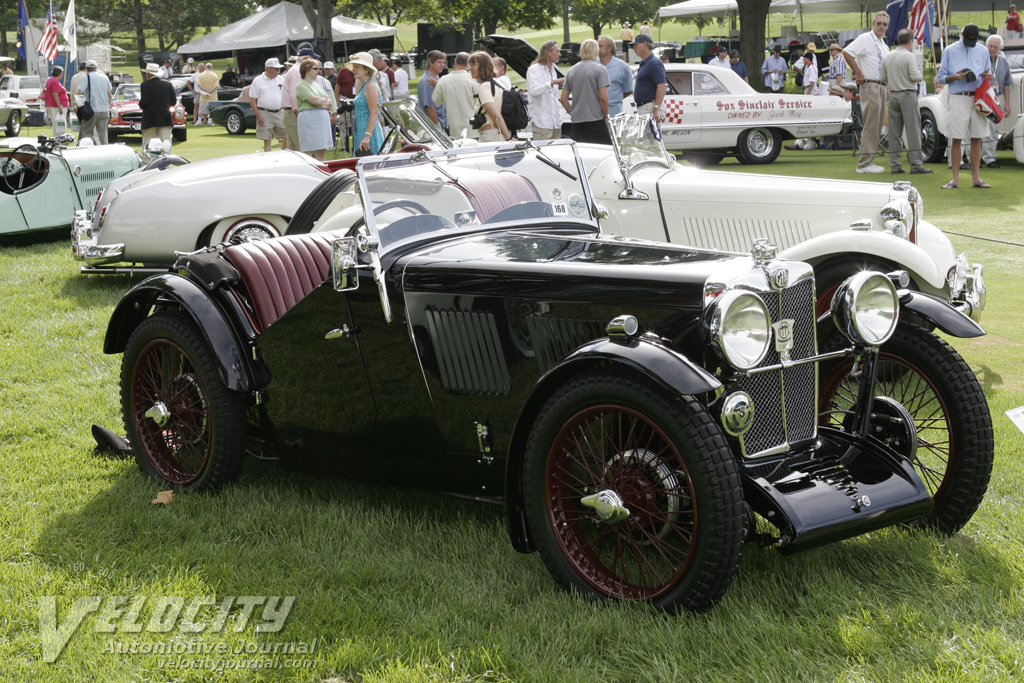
[(608, 506), (159, 413)]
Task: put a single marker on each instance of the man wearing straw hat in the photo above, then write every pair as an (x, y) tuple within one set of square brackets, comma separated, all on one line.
[(155, 100)]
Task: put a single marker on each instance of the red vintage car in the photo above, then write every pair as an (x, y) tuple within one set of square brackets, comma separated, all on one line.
[(126, 116)]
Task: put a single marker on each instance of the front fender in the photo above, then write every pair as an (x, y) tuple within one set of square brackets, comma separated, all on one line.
[(928, 270), (936, 104), (673, 371), (941, 314), (135, 306)]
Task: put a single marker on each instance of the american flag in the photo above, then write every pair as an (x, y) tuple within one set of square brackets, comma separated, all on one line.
[(47, 46), (921, 21)]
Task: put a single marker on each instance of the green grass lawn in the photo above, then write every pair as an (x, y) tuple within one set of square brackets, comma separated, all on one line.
[(393, 585)]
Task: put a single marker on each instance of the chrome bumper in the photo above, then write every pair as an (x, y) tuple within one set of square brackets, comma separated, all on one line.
[(84, 247), (967, 287)]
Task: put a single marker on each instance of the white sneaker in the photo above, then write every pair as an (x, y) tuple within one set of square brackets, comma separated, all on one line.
[(873, 168)]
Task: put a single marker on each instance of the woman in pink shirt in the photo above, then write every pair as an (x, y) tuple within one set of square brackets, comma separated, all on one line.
[(55, 97)]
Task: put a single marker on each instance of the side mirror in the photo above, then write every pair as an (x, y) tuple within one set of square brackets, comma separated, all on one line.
[(343, 264)]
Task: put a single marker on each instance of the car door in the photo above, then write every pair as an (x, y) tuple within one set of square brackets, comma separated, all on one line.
[(681, 127)]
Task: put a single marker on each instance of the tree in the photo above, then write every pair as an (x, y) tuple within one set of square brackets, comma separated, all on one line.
[(600, 13), (320, 19), (753, 14)]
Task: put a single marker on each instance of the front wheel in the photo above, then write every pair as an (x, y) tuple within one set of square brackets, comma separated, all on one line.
[(759, 146), (933, 143), (235, 123), (186, 428), (954, 429), (180, 134), (13, 124), (632, 493)]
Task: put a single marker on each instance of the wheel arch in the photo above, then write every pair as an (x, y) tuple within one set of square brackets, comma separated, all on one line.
[(233, 366), (669, 369)]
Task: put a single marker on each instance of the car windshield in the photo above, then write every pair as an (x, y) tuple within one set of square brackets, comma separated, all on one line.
[(414, 195), (1015, 58), (415, 126), (127, 92), (637, 141), (29, 82)]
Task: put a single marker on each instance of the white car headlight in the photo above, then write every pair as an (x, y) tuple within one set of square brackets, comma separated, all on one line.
[(866, 308), (898, 218), (739, 328)]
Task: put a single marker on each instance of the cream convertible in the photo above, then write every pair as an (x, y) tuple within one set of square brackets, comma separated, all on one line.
[(840, 227)]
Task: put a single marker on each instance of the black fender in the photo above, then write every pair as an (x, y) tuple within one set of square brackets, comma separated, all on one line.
[(165, 162), (943, 315), (647, 355), (134, 307)]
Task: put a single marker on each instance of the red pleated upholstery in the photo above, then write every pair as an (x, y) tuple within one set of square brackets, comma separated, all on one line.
[(493, 192), (278, 273)]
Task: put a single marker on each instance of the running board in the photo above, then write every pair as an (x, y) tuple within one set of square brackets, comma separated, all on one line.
[(124, 270)]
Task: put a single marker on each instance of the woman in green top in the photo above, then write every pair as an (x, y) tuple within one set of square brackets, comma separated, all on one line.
[(314, 111)]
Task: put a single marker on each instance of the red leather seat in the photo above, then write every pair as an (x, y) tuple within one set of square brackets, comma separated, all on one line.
[(493, 192), (278, 273)]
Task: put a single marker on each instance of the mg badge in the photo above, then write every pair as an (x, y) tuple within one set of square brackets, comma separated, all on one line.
[(779, 278), (784, 337)]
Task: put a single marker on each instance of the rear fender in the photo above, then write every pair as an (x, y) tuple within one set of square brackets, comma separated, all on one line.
[(233, 365), (646, 355)]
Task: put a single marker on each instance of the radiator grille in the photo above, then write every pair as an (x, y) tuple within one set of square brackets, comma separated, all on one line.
[(553, 338), (468, 351), (785, 400), (734, 234)]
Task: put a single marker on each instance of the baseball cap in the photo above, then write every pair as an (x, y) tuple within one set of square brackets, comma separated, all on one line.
[(734, 53), (643, 38), (721, 49), (328, 65), (376, 54), (272, 63), (91, 63), (308, 52), (970, 35)]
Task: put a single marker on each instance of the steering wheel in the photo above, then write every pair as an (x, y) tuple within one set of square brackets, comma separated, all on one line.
[(12, 167), (387, 206)]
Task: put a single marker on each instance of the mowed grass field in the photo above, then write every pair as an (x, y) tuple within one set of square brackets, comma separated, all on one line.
[(397, 585)]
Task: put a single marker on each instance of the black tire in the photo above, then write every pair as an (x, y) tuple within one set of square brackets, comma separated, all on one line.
[(759, 145), (933, 143), (179, 134), (234, 122), (201, 446), (312, 208), (111, 136), (954, 428), (702, 159), (681, 544), (13, 124)]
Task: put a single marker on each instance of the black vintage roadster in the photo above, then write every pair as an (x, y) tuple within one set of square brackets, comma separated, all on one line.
[(641, 409)]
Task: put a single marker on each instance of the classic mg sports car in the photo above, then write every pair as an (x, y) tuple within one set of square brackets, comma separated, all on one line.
[(712, 112), (43, 182), (640, 408), (126, 115)]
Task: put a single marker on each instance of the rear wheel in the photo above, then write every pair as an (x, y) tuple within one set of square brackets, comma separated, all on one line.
[(933, 143), (928, 377), (759, 145), (180, 134), (248, 229), (186, 428), (234, 122), (701, 159), (13, 124), (632, 493)]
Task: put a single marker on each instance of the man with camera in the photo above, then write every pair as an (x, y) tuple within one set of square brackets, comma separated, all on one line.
[(964, 65)]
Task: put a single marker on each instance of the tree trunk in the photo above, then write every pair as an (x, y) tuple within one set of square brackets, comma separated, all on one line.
[(320, 19), (753, 14), (565, 22), (596, 28), (140, 33)]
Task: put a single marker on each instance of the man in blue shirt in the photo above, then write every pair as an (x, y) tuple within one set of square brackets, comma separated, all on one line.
[(651, 84), (621, 80), (425, 89), (964, 65), (774, 69), (739, 67)]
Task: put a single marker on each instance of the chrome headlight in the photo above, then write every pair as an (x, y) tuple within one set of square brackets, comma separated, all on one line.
[(866, 308), (897, 218), (738, 325)]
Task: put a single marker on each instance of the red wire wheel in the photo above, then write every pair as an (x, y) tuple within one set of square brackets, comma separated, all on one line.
[(632, 493)]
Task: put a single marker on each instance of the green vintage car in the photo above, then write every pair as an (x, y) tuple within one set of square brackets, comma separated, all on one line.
[(43, 181), (235, 115)]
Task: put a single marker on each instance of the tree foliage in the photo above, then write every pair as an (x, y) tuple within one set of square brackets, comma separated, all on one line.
[(172, 21), (600, 13)]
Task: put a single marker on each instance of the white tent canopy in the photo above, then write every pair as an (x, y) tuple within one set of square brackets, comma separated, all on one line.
[(280, 24), (717, 8)]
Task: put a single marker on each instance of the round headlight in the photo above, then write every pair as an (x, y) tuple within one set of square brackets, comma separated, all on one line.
[(739, 329), (866, 308)]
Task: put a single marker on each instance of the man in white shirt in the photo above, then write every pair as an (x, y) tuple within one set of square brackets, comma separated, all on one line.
[(721, 59), (401, 90), (501, 79), (265, 97), (864, 57), (457, 92)]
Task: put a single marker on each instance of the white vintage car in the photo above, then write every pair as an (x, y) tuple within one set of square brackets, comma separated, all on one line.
[(28, 89), (711, 112), (935, 112), (12, 112)]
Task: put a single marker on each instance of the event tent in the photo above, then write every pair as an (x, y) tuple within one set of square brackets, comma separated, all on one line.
[(279, 25), (718, 8)]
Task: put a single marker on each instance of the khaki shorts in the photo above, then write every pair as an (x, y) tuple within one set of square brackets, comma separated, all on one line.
[(272, 126), (964, 120)]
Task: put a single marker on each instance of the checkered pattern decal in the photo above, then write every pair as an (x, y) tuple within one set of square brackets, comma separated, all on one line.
[(673, 110)]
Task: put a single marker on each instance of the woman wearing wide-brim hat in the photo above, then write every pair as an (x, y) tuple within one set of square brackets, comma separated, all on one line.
[(367, 136)]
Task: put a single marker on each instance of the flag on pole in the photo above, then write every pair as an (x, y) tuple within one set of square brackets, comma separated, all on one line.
[(70, 32), (47, 46), (22, 28), (897, 11), (922, 16)]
